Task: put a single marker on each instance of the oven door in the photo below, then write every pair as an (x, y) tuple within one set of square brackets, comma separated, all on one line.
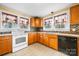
[(19, 40)]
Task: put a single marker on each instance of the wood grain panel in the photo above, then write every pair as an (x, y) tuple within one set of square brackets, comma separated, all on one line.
[(74, 14)]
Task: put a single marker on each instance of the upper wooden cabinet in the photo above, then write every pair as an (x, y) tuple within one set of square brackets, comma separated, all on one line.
[(74, 14), (36, 22), (32, 22)]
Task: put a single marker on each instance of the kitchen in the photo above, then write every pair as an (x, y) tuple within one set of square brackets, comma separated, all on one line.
[(46, 28)]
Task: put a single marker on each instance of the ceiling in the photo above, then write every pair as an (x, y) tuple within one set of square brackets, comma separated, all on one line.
[(37, 9)]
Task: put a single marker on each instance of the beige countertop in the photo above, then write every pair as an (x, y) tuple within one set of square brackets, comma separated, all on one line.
[(64, 34), (5, 34)]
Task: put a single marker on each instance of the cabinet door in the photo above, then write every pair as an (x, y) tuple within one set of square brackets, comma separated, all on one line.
[(32, 37), (35, 36), (46, 40), (41, 38), (39, 22), (38, 37), (74, 13), (53, 41), (36, 22), (32, 22), (7, 44), (1, 47), (54, 44)]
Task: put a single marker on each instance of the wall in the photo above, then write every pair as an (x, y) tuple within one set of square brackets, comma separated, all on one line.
[(61, 10), (11, 11)]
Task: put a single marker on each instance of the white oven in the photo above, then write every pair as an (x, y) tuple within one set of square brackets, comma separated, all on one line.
[(20, 41)]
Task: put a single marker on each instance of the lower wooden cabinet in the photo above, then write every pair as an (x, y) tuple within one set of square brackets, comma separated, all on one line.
[(46, 39), (5, 44), (53, 41), (1, 52), (32, 38), (49, 40), (41, 38)]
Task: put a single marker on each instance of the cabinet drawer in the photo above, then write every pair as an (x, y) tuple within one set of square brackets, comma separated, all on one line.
[(52, 35), (53, 40), (53, 43), (7, 37)]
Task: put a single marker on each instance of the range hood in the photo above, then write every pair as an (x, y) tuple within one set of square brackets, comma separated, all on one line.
[(36, 29)]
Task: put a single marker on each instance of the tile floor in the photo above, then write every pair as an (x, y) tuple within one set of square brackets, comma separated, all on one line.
[(36, 50)]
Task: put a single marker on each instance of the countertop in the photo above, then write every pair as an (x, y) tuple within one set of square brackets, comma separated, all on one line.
[(64, 34), (5, 34)]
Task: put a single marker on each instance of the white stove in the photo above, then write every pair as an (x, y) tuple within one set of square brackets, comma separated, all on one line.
[(20, 40)]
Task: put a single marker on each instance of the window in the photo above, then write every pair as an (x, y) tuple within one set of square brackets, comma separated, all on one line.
[(24, 22), (9, 20), (60, 21)]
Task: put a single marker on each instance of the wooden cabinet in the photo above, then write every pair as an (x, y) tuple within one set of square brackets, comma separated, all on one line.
[(50, 40), (1, 45), (32, 37), (39, 22), (32, 22), (41, 38), (53, 41), (74, 14), (36, 22), (5, 44), (46, 39)]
